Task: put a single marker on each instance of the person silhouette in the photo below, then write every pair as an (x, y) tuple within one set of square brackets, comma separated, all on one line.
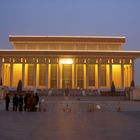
[(7, 101), (15, 102)]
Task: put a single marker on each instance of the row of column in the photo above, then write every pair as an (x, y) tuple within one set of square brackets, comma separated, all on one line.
[(58, 74), (99, 82)]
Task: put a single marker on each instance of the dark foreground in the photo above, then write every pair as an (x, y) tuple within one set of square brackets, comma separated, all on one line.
[(54, 124)]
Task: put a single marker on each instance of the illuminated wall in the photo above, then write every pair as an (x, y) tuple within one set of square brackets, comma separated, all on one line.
[(105, 75), (70, 46), (26, 76), (17, 74), (29, 75), (116, 75), (85, 76), (49, 75), (6, 74), (53, 76), (127, 75), (61, 74), (66, 75), (41, 75), (37, 74), (93, 75), (80, 75), (96, 75), (103, 78), (72, 74)]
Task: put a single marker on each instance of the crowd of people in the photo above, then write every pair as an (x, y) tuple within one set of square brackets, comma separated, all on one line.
[(27, 103)]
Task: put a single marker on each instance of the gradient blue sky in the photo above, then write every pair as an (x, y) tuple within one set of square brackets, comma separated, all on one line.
[(72, 17)]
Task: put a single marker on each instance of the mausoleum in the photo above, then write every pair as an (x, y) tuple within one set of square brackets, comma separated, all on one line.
[(67, 61)]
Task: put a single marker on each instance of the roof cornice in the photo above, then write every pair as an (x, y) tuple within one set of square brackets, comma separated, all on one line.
[(105, 39)]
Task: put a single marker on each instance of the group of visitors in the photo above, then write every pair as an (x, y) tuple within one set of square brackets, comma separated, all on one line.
[(29, 102)]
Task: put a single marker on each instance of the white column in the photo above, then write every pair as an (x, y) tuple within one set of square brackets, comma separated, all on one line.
[(87, 76), (35, 65), (122, 72), (58, 75), (126, 70), (11, 74), (110, 67), (23, 74), (46, 75), (99, 77), (74, 73)]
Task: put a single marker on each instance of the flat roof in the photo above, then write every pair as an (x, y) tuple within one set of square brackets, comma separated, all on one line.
[(105, 39), (67, 53)]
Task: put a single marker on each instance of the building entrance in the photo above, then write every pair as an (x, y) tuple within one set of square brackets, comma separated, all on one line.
[(67, 75)]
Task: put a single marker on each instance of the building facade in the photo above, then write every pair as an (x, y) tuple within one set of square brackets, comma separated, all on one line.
[(67, 61)]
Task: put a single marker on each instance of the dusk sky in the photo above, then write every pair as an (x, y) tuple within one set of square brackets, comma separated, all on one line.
[(72, 17)]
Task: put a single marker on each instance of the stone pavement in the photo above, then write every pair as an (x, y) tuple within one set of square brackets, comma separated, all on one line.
[(54, 124)]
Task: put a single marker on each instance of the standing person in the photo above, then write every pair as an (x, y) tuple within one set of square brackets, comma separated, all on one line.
[(20, 102), (25, 102), (37, 100), (32, 103), (29, 102), (7, 101), (15, 102)]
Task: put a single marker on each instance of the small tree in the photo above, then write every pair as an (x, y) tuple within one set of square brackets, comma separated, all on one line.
[(132, 83), (19, 86), (113, 89)]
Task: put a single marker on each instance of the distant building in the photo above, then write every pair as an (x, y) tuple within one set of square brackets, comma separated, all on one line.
[(67, 61)]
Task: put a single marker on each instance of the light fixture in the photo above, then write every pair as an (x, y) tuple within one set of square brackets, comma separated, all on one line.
[(130, 61), (66, 61)]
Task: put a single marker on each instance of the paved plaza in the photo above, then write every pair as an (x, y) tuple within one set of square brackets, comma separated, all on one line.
[(79, 124)]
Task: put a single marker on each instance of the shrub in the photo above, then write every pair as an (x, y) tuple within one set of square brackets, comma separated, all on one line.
[(1, 82), (132, 83), (113, 89)]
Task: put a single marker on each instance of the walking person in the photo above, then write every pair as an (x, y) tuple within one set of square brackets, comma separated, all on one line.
[(7, 101), (15, 102)]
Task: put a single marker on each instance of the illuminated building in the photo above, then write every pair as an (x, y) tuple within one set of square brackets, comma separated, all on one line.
[(67, 61)]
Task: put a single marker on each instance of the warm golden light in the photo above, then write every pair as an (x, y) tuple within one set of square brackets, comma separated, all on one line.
[(112, 60), (66, 61), (13, 59), (108, 61), (96, 60), (37, 60), (17, 74), (21, 59), (130, 61), (2, 59), (120, 61)]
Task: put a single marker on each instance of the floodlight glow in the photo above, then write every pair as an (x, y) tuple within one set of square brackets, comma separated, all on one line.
[(66, 61)]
